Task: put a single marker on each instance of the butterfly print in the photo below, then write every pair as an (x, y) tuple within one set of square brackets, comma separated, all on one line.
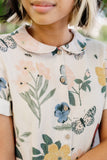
[(7, 42), (78, 126)]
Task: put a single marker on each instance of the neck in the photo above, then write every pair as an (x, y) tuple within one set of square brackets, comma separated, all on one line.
[(54, 35)]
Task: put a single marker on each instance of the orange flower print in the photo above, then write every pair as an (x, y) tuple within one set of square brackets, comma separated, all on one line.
[(25, 67), (43, 70), (55, 154), (70, 77), (101, 75), (77, 154)]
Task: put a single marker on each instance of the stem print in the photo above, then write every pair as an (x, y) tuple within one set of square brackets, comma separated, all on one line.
[(34, 96), (68, 78), (82, 85)]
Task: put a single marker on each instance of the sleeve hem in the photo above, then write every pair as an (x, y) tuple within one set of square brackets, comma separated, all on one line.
[(5, 108)]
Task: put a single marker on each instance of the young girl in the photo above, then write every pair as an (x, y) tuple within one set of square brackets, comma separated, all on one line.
[(52, 84)]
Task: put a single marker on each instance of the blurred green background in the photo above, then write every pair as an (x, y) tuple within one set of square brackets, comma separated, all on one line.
[(99, 31)]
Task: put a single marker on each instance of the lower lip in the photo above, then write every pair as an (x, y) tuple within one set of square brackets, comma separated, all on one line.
[(42, 9)]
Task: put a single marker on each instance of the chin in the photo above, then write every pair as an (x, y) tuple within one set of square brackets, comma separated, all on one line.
[(42, 22)]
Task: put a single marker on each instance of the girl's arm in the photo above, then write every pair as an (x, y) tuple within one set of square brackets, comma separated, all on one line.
[(100, 151), (7, 148)]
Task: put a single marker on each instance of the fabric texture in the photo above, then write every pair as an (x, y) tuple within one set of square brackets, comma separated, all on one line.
[(58, 94)]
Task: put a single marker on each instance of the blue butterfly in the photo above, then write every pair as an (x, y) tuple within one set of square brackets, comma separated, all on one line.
[(7, 42), (79, 125)]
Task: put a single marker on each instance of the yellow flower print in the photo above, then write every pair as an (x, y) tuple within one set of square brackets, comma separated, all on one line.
[(55, 154), (43, 70), (25, 67), (101, 75)]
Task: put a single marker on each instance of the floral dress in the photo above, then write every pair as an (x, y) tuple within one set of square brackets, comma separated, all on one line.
[(55, 95)]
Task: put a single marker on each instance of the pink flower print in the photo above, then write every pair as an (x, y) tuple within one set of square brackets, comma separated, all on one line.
[(87, 74), (43, 70), (77, 154), (70, 77), (21, 83), (25, 67)]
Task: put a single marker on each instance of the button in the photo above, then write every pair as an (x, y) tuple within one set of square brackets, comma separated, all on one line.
[(59, 52), (67, 136)]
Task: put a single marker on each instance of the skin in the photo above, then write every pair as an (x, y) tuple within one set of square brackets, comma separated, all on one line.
[(52, 27), (7, 149)]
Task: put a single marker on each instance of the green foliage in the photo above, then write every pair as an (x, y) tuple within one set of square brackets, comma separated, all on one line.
[(103, 34), (3, 8)]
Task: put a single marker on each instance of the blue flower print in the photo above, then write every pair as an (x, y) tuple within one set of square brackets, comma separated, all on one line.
[(62, 111), (2, 83)]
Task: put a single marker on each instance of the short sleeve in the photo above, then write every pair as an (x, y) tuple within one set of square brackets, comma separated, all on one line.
[(5, 98), (105, 62)]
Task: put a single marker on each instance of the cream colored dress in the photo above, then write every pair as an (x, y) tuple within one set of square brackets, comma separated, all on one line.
[(55, 95)]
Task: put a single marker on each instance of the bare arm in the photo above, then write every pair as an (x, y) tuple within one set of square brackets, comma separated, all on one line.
[(100, 151), (7, 149)]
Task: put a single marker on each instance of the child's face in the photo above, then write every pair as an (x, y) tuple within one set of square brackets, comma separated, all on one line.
[(46, 12)]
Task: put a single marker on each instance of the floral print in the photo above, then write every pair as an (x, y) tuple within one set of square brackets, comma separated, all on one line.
[(100, 71), (3, 88), (79, 125), (57, 98), (83, 85), (61, 154), (22, 82), (82, 45), (25, 67), (2, 83), (43, 70), (33, 96), (101, 75), (52, 151), (62, 111), (68, 78)]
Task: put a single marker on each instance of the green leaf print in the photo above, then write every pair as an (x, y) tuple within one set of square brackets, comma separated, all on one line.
[(82, 44), (63, 127), (47, 139), (49, 150), (38, 158), (32, 93), (71, 98), (18, 153), (103, 90), (22, 140), (28, 99), (85, 85), (78, 81), (44, 148), (35, 151), (33, 96), (50, 94), (17, 131), (58, 143), (26, 134), (82, 85), (43, 90), (21, 137)]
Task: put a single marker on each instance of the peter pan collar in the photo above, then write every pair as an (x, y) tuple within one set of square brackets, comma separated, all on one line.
[(27, 42)]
